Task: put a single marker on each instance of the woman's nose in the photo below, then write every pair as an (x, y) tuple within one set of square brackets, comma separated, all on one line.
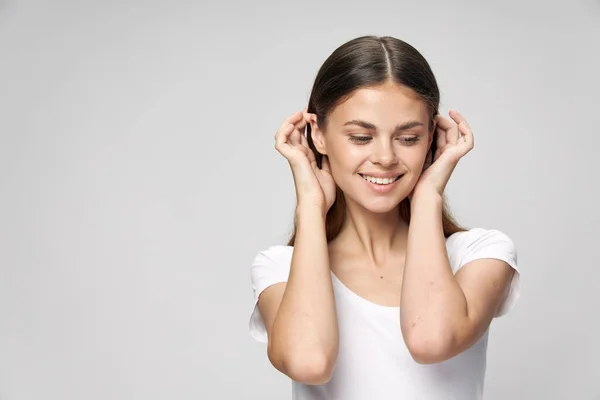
[(384, 154)]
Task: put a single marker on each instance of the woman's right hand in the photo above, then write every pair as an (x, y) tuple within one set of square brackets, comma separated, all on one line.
[(314, 185)]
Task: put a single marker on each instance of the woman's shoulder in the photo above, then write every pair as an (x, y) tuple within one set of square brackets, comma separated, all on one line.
[(481, 243), (476, 234), (276, 249), (275, 255)]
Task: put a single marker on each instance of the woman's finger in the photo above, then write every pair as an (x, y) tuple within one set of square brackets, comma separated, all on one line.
[(301, 124), (463, 127), (309, 152), (295, 137), (292, 119), (325, 164), (441, 137), (458, 118), (300, 128), (450, 129), (281, 137)]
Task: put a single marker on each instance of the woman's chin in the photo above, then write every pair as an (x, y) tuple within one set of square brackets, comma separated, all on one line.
[(381, 205), (381, 208)]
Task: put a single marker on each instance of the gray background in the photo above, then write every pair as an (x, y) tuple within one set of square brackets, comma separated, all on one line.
[(139, 180)]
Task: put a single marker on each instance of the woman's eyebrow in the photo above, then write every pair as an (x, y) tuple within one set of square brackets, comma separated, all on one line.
[(368, 125)]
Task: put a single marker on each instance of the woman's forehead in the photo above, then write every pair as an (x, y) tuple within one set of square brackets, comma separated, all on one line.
[(385, 104)]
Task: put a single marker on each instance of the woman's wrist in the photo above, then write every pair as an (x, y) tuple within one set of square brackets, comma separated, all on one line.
[(425, 197), (310, 210)]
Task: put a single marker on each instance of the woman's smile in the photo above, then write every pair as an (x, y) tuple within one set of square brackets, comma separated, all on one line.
[(380, 185)]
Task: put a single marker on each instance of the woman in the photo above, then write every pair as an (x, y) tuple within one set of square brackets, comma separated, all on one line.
[(379, 294)]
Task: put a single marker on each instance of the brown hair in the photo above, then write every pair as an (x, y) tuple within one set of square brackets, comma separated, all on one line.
[(371, 61)]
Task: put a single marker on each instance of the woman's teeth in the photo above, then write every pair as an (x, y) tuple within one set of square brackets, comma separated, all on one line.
[(379, 181)]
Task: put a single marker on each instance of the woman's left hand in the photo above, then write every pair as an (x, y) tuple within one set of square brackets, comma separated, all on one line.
[(455, 139)]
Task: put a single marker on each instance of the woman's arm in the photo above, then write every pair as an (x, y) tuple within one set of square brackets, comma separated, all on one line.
[(300, 315), (443, 314)]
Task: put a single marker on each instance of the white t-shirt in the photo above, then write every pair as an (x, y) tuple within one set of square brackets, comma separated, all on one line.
[(373, 360)]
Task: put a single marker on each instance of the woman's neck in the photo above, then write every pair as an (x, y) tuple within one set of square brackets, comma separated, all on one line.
[(376, 237)]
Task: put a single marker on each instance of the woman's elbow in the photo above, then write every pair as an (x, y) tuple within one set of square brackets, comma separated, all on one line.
[(314, 370), (317, 371), (426, 352)]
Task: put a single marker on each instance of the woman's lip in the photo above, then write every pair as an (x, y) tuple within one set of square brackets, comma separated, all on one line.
[(380, 188)]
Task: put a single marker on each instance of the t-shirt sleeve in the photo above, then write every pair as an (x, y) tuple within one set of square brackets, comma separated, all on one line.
[(269, 267), (491, 243)]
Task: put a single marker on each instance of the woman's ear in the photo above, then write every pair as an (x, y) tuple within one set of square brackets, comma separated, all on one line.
[(317, 135)]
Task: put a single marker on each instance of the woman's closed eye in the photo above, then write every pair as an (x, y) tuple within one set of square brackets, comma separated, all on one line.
[(367, 139)]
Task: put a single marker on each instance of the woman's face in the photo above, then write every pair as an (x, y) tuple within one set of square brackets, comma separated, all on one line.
[(378, 132)]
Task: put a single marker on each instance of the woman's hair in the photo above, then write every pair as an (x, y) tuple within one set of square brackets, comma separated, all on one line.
[(363, 62)]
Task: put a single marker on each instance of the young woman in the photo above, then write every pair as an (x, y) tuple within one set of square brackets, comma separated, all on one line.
[(379, 294)]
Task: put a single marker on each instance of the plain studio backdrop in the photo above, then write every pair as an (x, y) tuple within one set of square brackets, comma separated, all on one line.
[(139, 180)]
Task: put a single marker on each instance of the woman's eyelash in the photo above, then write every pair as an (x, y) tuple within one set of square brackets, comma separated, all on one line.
[(360, 139), (411, 139), (366, 139)]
